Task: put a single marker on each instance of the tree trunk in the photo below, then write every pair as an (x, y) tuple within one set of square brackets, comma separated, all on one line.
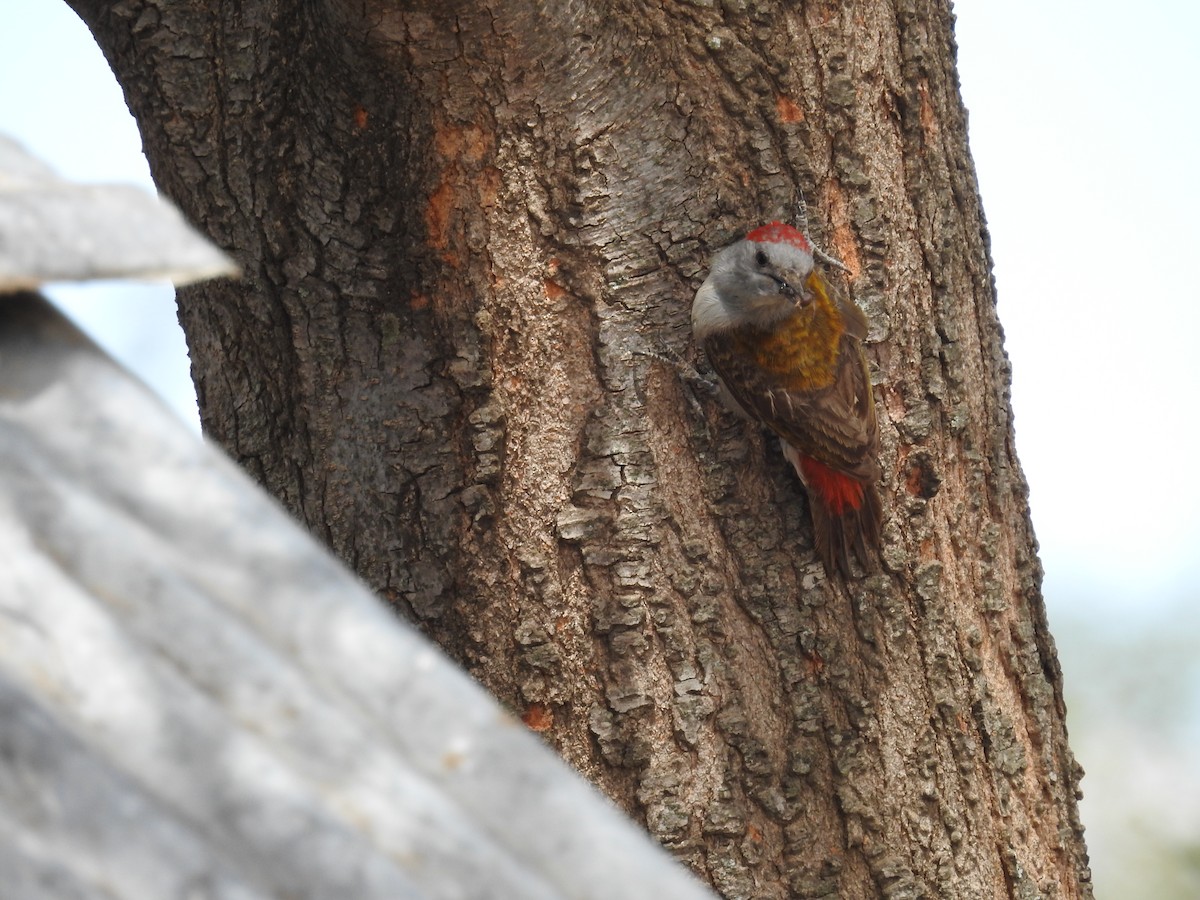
[(459, 224)]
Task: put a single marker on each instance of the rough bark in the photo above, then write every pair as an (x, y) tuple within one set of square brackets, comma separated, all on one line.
[(459, 223)]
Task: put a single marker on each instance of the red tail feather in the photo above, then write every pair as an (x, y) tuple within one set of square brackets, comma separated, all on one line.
[(837, 491), (846, 513)]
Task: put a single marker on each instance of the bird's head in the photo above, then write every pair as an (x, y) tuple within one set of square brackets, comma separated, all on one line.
[(757, 281)]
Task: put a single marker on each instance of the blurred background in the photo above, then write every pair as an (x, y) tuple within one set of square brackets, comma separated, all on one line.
[(1086, 139)]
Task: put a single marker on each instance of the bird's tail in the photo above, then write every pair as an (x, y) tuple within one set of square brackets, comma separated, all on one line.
[(847, 514)]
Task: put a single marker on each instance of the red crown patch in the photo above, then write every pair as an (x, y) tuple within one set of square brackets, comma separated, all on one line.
[(779, 233)]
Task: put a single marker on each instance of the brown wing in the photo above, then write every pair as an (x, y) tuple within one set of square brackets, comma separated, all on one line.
[(835, 425)]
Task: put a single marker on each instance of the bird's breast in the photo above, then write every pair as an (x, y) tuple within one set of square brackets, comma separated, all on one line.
[(800, 352)]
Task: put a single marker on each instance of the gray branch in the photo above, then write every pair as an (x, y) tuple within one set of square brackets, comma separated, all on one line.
[(196, 700)]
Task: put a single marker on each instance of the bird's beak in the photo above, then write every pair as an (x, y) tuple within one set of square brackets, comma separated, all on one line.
[(794, 285)]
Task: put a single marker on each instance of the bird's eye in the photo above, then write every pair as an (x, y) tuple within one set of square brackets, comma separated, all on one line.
[(760, 258)]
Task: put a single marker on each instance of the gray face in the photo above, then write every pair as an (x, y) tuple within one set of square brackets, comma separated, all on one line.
[(761, 282)]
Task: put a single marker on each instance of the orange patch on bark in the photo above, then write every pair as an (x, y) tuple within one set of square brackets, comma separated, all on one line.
[(461, 143), (490, 182), (787, 110), (815, 663), (928, 116), (437, 221), (463, 184), (537, 717), (841, 242), (554, 290), (360, 118)]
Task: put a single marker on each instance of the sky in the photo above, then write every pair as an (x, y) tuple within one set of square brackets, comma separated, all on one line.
[(1084, 130), (59, 98)]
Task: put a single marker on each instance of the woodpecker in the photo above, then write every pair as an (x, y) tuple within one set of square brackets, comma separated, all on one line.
[(787, 348)]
